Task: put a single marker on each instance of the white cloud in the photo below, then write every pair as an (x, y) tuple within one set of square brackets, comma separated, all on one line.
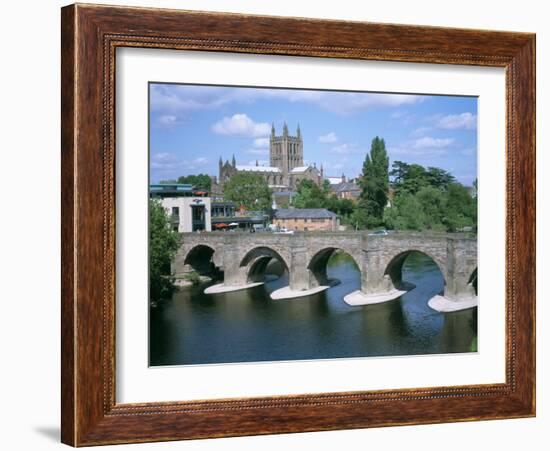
[(336, 169), (432, 143), (260, 146), (346, 148), (337, 166), (171, 99), (164, 161), (201, 161), (397, 114), (420, 131), (261, 142), (466, 121), (168, 120), (328, 138), (416, 152), (426, 146), (169, 164), (346, 103), (241, 125), (258, 151)]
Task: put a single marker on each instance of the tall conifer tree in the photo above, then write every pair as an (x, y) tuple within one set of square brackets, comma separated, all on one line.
[(374, 183)]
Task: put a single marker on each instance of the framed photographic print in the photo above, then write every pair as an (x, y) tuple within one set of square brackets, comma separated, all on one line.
[(282, 224)]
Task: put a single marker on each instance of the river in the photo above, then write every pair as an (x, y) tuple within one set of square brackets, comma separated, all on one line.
[(248, 326)]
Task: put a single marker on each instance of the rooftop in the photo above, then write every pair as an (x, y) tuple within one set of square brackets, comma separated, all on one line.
[(303, 213), (346, 186), (175, 190), (185, 187), (252, 168), (299, 169)]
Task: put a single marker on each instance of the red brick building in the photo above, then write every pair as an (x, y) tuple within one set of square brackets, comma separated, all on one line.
[(306, 219)]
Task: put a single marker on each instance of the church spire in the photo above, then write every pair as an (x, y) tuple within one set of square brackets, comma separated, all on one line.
[(298, 133), (273, 130), (233, 162), (285, 129)]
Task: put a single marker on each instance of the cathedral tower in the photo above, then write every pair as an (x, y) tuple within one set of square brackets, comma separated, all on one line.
[(286, 152)]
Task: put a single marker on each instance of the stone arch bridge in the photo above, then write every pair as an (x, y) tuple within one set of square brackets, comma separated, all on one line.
[(243, 258)]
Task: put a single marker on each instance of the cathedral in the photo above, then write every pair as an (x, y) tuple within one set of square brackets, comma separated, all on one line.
[(286, 169)]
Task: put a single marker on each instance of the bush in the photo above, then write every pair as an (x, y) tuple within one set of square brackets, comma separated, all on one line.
[(163, 243)]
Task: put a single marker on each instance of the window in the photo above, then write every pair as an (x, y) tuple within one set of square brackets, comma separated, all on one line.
[(175, 211), (198, 213)]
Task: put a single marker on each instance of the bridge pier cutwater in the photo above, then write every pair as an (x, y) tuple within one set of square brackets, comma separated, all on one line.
[(243, 258)]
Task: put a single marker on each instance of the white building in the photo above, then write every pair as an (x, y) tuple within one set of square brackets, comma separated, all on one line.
[(188, 212)]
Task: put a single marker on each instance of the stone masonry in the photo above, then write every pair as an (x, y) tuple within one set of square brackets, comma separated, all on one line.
[(243, 257)]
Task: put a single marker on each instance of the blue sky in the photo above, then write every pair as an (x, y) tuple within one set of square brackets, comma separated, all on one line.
[(192, 126)]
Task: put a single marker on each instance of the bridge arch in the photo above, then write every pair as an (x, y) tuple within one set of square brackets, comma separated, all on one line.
[(255, 262), (317, 265), (394, 267), (200, 258)]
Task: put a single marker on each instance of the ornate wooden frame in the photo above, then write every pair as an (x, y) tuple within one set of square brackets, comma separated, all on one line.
[(90, 35)]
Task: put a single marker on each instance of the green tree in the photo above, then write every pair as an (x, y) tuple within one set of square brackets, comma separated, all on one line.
[(359, 219), (399, 172), (163, 243), (411, 178), (415, 179), (326, 186), (410, 215), (374, 183), (442, 203), (199, 181), (433, 202), (345, 207), (439, 178), (461, 208), (248, 190), (392, 218), (309, 195)]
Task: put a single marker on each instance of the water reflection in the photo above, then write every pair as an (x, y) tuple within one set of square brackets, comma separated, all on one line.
[(247, 326)]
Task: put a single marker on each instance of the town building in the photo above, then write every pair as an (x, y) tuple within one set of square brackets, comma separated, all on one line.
[(226, 217), (306, 219), (342, 188), (189, 209), (346, 190), (287, 168)]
